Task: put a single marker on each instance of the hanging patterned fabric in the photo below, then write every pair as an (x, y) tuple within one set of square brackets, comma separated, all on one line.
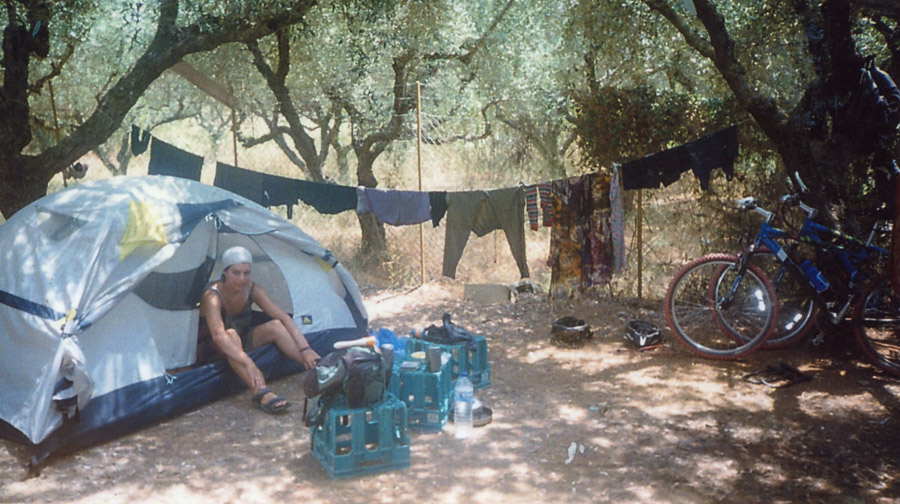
[(566, 237), (531, 206), (545, 191), (597, 266), (582, 251)]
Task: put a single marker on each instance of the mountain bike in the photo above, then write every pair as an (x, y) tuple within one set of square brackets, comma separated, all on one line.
[(738, 296)]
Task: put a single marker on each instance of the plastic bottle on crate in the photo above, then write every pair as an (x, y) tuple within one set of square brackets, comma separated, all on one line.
[(463, 399)]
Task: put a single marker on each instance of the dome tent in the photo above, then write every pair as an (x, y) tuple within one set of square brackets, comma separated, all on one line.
[(98, 304)]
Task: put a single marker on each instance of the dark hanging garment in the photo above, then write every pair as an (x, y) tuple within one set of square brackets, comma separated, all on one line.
[(662, 168), (327, 198), (278, 190), (140, 140), (702, 156), (166, 159), (717, 150), (246, 183), (438, 203)]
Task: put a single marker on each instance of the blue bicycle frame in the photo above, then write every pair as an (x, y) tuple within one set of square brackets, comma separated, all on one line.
[(811, 233)]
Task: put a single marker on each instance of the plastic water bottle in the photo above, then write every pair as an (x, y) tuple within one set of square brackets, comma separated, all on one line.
[(463, 398), (814, 275)]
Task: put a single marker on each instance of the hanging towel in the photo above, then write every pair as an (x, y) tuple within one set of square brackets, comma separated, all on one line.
[(617, 222), (397, 208), (545, 190), (327, 198), (438, 202), (246, 183), (531, 206), (140, 139), (167, 159), (482, 212)]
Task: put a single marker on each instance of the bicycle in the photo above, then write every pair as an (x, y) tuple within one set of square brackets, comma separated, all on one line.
[(748, 315)]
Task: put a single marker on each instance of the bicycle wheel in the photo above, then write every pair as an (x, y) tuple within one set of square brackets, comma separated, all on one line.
[(696, 307), (796, 310), (876, 320)]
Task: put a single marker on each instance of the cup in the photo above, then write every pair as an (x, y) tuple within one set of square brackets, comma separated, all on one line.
[(387, 351), (433, 358)]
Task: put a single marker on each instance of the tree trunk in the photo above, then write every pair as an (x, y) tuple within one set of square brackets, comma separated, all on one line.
[(21, 184), (374, 242)]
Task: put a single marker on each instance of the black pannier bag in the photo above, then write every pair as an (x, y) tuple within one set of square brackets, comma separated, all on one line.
[(359, 373)]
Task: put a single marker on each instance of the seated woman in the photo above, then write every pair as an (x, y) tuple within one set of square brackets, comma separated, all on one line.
[(226, 306)]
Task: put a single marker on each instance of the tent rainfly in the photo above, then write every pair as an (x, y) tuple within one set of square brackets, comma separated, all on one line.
[(98, 305)]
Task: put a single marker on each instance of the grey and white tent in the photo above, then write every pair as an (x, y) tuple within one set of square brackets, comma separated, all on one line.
[(99, 287)]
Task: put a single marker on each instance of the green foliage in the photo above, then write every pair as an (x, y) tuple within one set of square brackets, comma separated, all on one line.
[(619, 124)]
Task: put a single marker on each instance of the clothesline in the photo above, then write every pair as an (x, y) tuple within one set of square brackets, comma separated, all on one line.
[(598, 247)]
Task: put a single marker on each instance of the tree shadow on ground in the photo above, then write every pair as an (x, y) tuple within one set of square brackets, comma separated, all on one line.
[(601, 423)]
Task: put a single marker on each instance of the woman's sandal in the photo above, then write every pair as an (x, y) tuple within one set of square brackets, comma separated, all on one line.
[(271, 406)]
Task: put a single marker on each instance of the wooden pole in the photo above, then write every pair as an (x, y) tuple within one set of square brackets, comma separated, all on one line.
[(640, 243), (56, 125), (234, 135), (419, 165)]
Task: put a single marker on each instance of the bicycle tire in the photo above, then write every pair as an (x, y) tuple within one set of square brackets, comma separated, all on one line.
[(695, 316), (796, 309), (876, 322)]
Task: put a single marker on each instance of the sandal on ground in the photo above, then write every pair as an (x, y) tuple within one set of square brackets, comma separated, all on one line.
[(271, 406)]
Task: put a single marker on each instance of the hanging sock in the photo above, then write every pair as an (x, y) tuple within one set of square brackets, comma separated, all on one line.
[(437, 201), (140, 140), (531, 206), (545, 191)]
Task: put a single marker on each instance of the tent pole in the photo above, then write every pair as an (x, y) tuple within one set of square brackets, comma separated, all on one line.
[(419, 165), (640, 242)]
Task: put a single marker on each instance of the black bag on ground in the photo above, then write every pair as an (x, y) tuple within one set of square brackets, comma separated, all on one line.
[(359, 373), (448, 334)]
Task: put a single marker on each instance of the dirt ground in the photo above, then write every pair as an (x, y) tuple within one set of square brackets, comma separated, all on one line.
[(602, 423)]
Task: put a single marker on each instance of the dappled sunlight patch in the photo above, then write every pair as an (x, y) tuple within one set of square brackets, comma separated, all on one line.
[(572, 414), (826, 405)]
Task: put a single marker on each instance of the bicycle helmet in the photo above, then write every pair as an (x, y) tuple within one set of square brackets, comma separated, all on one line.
[(642, 334)]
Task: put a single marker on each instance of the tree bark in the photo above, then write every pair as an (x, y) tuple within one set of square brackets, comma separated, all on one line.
[(24, 177), (804, 137)]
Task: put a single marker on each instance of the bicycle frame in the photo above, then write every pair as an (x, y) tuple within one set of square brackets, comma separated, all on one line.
[(811, 233)]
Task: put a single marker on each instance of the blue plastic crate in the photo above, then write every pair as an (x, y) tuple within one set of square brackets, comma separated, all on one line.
[(427, 395), (473, 361), (359, 441)]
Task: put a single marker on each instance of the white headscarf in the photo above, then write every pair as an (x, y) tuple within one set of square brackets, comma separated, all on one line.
[(236, 255)]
